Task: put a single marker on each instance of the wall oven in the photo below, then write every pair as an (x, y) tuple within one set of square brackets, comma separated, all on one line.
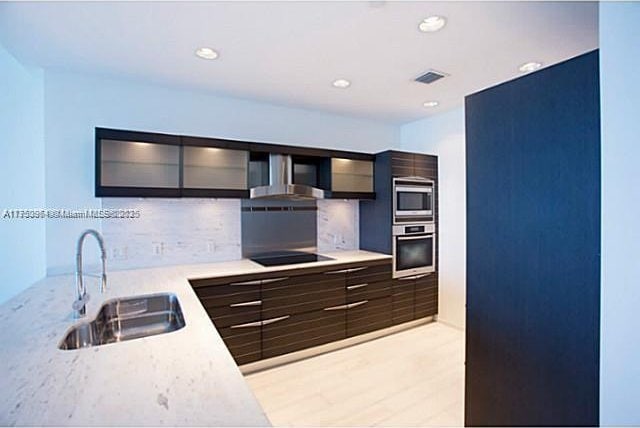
[(413, 200), (414, 249)]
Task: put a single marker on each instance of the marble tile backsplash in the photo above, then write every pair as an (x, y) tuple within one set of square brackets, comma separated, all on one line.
[(338, 225), (185, 231)]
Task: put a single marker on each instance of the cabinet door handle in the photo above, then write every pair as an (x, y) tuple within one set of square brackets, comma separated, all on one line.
[(356, 304), (255, 282), (270, 280), (355, 287), (260, 323), (244, 304), (334, 272), (348, 306), (272, 320), (337, 308), (248, 325)]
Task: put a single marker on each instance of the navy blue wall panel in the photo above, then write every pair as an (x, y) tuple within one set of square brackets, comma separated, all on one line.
[(533, 249)]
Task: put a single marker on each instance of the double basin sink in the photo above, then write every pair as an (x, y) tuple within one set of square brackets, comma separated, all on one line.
[(125, 319)]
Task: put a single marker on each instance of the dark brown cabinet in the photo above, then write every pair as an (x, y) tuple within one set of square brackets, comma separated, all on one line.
[(349, 177), (368, 315), (266, 315), (301, 331), (147, 164), (426, 296), (403, 300)]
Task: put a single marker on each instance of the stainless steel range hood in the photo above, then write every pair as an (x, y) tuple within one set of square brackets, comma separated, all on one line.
[(281, 182)]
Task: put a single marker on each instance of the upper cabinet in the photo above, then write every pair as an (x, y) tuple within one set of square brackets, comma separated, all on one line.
[(142, 164), (405, 164), (351, 178), (214, 168), (137, 164)]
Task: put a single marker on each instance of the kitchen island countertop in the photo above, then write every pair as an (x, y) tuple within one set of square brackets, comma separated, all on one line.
[(183, 378)]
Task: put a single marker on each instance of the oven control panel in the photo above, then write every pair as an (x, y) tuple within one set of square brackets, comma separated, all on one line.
[(411, 229)]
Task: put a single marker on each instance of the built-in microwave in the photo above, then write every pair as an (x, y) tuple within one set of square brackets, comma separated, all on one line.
[(414, 249), (413, 200)]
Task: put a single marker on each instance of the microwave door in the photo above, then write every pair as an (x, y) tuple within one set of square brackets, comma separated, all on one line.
[(411, 202)]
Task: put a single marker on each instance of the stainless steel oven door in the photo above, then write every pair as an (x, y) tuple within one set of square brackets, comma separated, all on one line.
[(414, 254)]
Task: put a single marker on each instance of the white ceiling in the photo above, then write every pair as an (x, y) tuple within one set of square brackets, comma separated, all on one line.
[(290, 52)]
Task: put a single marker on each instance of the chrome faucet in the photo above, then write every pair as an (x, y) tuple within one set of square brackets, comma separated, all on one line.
[(80, 304)]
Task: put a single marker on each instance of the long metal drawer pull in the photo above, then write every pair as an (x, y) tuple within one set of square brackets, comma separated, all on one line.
[(348, 306), (333, 272), (272, 320), (269, 281), (247, 325), (260, 323), (356, 304), (244, 304), (255, 282), (355, 287), (337, 308)]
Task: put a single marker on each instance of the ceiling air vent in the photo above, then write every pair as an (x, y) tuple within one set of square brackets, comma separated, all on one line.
[(431, 76)]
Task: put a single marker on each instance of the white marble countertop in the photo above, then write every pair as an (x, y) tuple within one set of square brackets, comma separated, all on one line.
[(183, 378)]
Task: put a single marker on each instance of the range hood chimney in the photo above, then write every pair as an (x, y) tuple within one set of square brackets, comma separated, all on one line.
[(281, 182)]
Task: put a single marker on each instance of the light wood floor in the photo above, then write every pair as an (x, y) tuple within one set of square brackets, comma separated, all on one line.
[(411, 378)]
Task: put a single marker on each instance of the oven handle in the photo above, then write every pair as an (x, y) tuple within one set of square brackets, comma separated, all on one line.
[(414, 189), (413, 237)]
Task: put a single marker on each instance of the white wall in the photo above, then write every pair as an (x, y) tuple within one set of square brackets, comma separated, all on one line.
[(22, 256), (443, 135), (76, 104), (620, 287)]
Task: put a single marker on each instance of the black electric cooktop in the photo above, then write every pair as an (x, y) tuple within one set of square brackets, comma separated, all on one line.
[(289, 258)]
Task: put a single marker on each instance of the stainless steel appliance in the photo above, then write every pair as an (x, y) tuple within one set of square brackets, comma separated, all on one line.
[(281, 184), (276, 232), (413, 200), (414, 249)]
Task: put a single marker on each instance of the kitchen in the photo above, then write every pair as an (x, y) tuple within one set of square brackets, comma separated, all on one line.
[(231, 174)]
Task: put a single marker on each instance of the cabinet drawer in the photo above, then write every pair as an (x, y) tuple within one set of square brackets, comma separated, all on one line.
[(368, 291), (369, 273), (301, 294), (244, 344), (369, 316), (228, 294), (239, 313), (301, 331)]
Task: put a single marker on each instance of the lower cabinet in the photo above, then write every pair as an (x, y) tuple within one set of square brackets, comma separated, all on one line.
[(368, 315), (244, 342), (426, 296), (263, 316), (300, 331)]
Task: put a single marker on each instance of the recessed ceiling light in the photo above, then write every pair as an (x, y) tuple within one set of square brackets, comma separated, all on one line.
[(530, 66), (432, 24), (341, 83), (206, 53), (430, 104)]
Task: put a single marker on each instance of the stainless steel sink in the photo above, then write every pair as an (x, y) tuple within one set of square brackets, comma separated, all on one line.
[(126, 319)]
